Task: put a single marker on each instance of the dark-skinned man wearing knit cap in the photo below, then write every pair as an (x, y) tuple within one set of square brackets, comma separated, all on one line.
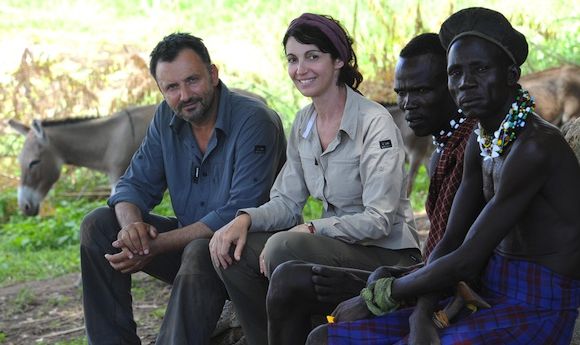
[(301, 289), (513, 223)]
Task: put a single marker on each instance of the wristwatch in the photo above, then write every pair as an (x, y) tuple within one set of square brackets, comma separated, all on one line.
[(311, 227)]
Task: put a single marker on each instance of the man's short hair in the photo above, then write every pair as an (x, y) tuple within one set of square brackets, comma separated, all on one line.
[(171, 45), (427, 43)]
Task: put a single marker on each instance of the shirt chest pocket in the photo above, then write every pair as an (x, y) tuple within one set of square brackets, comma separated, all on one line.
[(219, 183), (344, 181)]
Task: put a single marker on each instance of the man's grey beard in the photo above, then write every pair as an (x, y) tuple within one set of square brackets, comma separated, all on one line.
[(200, 115)]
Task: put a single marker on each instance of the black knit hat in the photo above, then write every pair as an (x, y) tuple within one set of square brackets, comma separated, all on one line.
[(489, 25)]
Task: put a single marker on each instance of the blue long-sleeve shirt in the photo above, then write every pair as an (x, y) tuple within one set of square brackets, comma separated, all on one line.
[(244, 154)]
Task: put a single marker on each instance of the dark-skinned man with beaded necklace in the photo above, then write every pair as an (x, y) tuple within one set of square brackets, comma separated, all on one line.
[(513, 223)]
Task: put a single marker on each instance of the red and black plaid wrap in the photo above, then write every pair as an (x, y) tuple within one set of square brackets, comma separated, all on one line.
[(445, 182)]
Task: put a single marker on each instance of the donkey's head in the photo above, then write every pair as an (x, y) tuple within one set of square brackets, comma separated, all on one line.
[(40, 166)]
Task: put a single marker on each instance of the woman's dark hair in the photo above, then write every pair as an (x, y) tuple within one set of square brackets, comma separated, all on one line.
[(309, 34)]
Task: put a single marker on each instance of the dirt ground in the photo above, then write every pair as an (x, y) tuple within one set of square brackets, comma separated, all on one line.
[(49, 311)]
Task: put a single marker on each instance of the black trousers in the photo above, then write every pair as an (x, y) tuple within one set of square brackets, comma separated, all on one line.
[(197, 295)]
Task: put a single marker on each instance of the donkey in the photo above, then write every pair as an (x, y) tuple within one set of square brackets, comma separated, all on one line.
[(105, 144), (101, 143), (557, 93)]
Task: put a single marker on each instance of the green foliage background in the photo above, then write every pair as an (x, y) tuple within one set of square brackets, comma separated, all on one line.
[(73, 58)]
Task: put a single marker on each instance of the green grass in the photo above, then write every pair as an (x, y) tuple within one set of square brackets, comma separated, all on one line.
[(22, 301), (53, 232), (42, 247), (20, 266), (312, 210), (35, 248), (158, 313), (420, 190)]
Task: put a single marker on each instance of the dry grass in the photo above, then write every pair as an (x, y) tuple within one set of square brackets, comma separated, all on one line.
[(64, 86)]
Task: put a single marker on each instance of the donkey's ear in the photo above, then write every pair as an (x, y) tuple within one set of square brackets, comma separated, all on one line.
[(18, 126), (39, 131)]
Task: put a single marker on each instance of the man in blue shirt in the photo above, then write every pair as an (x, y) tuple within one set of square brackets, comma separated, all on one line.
[(215, 151)]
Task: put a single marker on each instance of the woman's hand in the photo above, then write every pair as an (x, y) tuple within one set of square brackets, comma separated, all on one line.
[(300, 228), (263, 263), (234, 233)]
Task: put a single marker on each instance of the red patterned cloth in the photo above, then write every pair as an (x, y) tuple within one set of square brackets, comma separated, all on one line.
[(445, 182)]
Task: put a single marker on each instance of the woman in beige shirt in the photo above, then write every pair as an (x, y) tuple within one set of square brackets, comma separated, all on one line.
[(344, 150)]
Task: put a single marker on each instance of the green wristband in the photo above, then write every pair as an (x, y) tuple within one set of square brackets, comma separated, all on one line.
[(377, 297)]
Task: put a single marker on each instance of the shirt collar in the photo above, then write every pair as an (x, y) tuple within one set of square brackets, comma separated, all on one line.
[(349, 121), (224, 121)]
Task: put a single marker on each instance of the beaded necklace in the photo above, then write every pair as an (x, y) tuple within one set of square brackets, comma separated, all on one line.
[(441, 139), (492, 146)]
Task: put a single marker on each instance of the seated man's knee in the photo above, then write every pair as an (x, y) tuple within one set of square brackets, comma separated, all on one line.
[(284, 285), (319, 336), (195, 257), (101, 221), (195, 248)]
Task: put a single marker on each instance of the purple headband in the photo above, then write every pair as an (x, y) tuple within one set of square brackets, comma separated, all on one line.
[(329, 28)]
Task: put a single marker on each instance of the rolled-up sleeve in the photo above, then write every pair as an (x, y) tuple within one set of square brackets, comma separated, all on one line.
[(144, 183)]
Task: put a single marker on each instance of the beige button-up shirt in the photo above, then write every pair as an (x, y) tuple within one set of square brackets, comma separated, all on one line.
[(360, 179)]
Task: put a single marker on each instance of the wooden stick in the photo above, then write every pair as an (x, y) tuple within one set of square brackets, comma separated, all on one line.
[(67, 331)]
